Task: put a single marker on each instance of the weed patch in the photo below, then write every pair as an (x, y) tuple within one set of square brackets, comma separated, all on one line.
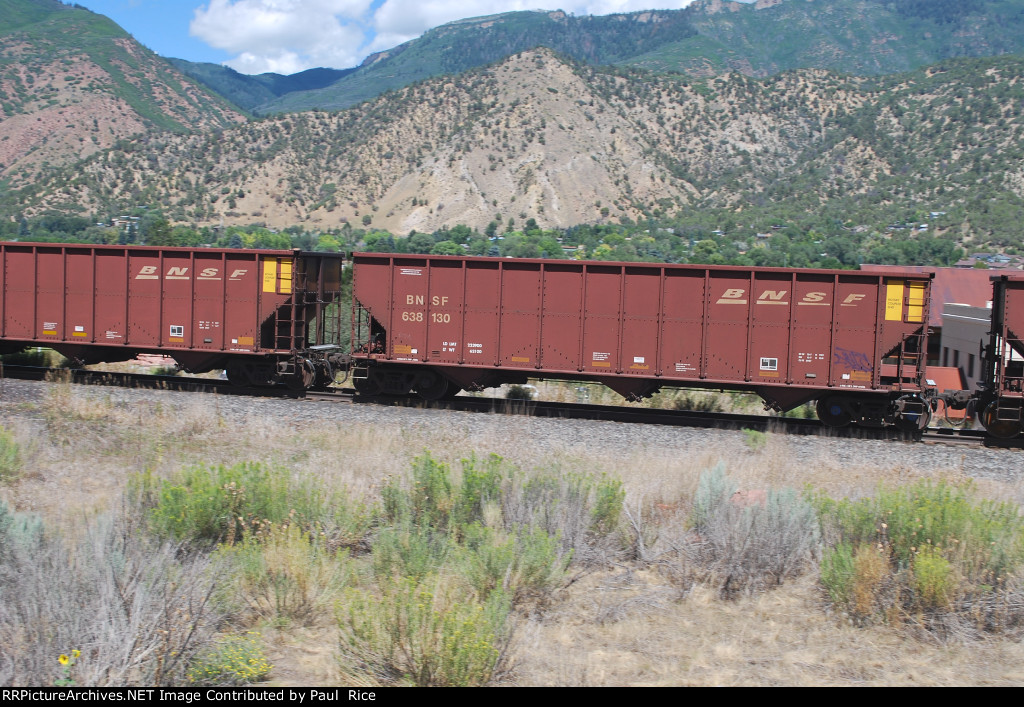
[(234, 660), (929, 550), (10, 456), (209, 505), (136, 611), (431, 632)]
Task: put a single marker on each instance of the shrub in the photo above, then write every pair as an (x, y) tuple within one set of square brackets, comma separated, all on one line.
[(929, 549), (985, 539), (581, 510), (234, 660), (432, 632), (10, 456), (714, 489), (44, 358), (698, 402), (837, 573), (209, 505), (755, 439), (528, 563), (286, 575), (452, 554), (934, 579), (409, 550), (520, 392), (474, 525), (137, 611), (743, 548), (427, 502)]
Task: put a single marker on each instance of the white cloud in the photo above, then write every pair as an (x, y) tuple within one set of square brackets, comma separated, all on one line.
[(286, 36)]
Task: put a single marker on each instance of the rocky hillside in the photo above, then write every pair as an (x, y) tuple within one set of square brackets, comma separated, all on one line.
[(73, 83), (539, 137)]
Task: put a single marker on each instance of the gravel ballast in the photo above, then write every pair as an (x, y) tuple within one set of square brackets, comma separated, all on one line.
[(485, 433)]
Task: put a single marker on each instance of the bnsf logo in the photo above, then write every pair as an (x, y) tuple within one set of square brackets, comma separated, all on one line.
[(738, 295), (149, 272)]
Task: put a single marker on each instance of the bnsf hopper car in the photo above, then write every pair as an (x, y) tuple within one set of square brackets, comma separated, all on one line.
[(434, 325), (264, 316)]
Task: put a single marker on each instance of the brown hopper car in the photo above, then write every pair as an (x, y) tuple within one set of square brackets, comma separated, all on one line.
[(435, 324), (263, 316)]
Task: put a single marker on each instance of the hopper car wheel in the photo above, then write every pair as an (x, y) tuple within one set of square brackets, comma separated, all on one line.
[(324, 376), (371, 385), (431, 386), (303, 377), (237, 374), (914, 420), (833, 413), (1004, 429)]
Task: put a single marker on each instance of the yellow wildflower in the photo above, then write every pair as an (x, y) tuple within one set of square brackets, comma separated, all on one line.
[(63, 659)]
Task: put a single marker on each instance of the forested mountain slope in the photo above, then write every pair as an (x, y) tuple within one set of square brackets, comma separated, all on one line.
[(562, 143), (73, 83)]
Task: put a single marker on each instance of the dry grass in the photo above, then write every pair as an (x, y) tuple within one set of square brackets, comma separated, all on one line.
[(781, 637), (626, 623)]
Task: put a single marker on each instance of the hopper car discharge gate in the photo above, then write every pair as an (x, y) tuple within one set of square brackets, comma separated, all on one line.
[(853, 342)]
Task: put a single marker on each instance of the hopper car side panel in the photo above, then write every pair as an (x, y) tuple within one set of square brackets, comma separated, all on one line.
[(789, 335)]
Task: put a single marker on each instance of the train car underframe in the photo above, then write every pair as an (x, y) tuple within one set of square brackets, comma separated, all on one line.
[(910, 411), (312, 368)]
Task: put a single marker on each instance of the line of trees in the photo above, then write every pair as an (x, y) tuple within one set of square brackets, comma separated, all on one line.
[(714, 238)]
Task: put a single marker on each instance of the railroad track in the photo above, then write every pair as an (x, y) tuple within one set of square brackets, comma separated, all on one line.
[(131, 380), (684, 418), (611, 413)]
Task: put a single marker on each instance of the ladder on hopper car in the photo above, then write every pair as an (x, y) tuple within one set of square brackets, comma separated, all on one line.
[(311, 318), (911, 358), (291, 327)]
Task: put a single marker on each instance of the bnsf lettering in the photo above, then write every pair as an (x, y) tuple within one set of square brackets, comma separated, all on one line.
[(772, 297), (737, 295), (414, 299), (148, 272), (815, 298), (438, 301), (732, 296)]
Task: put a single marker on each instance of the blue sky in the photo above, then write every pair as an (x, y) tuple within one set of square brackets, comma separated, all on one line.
[(286, 36)]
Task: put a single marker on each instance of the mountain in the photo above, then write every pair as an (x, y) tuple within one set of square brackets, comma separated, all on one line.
[(859, 37), (249, 92), (475, 42), (538, 136), (73, 83), (710, 37)]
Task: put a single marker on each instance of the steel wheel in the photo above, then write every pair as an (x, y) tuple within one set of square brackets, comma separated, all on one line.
[(833, 413), (371, 385), (431, 386), (916, 418), (1004, 429)]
